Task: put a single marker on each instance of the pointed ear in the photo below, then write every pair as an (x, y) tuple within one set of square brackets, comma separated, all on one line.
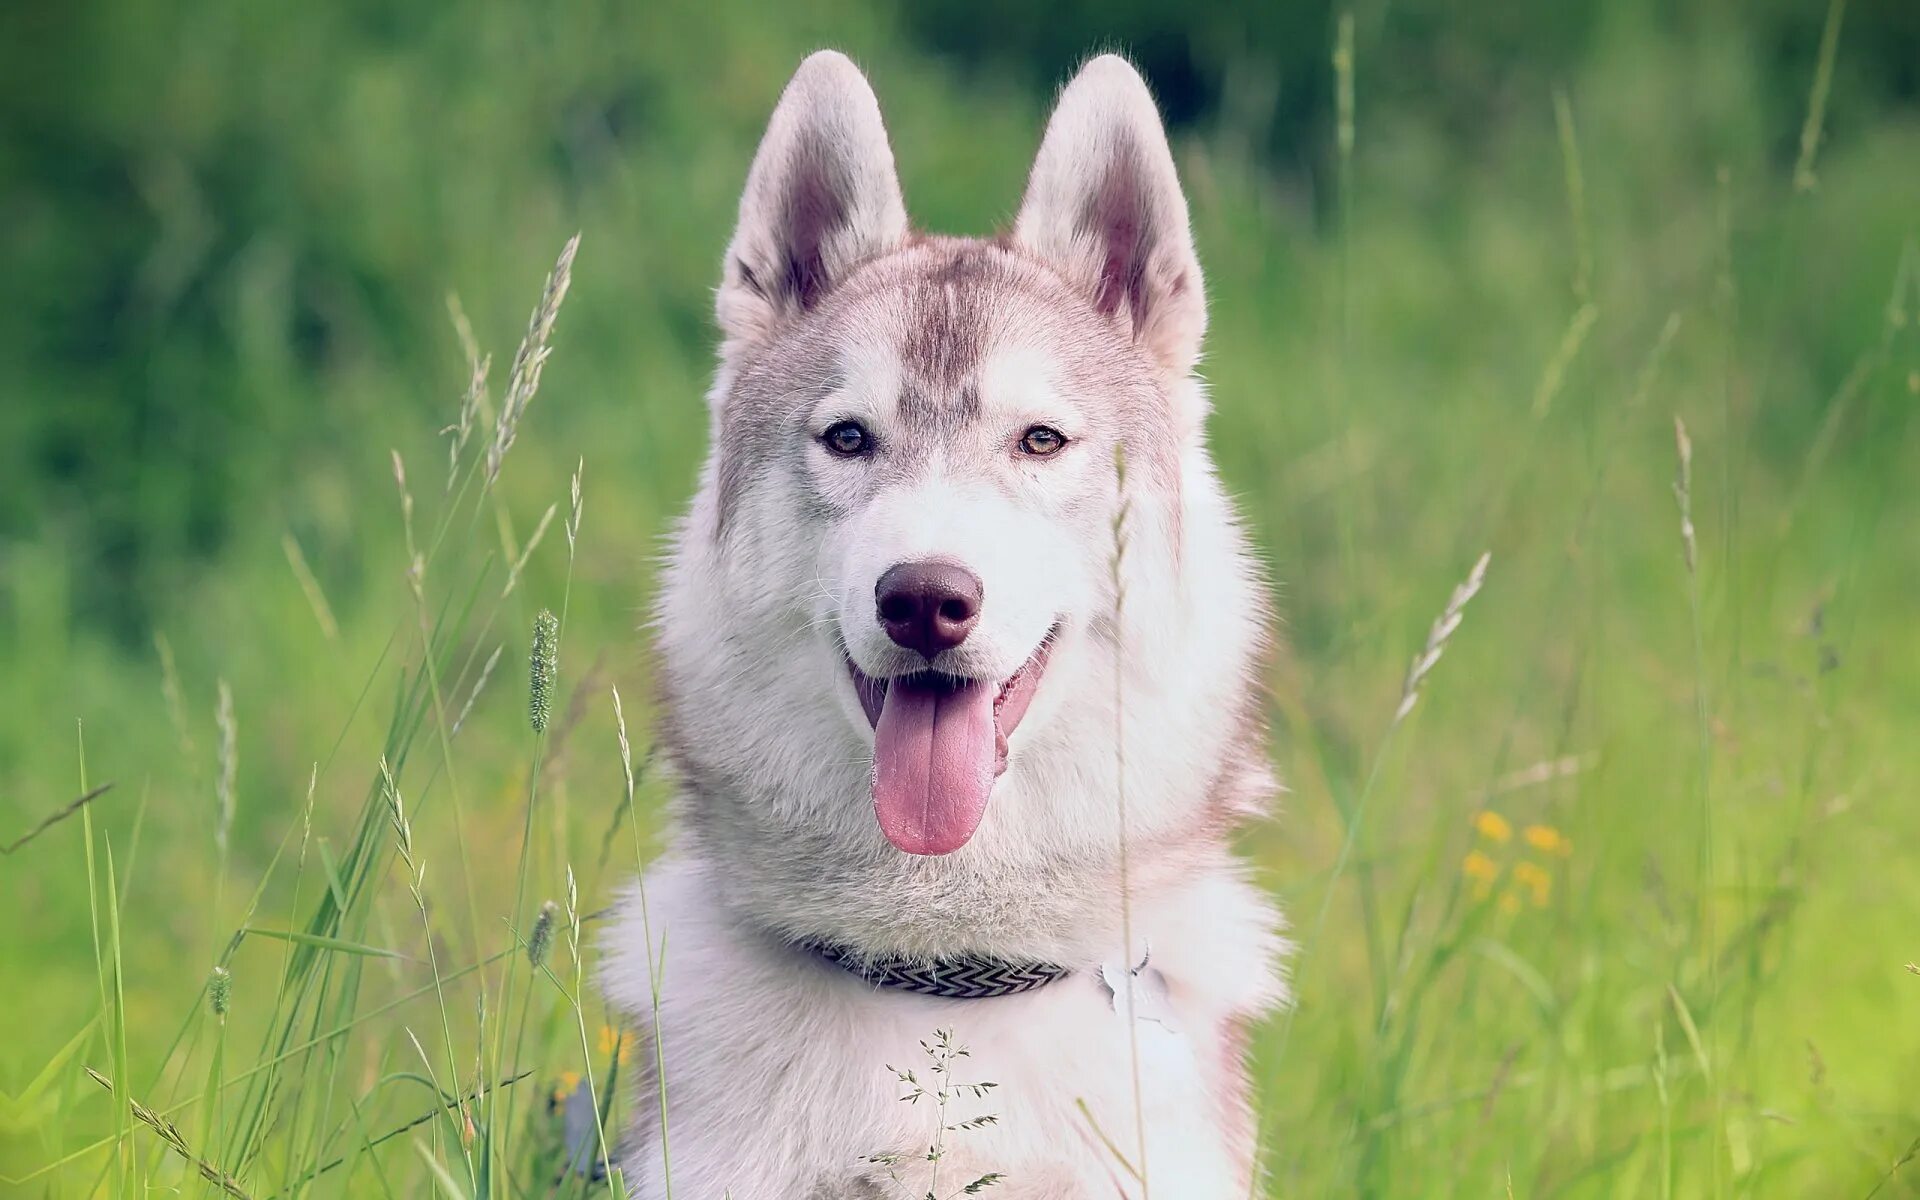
[(1104, 206), (822, 197)]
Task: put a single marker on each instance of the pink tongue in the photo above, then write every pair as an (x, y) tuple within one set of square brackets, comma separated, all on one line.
[(933, 763)]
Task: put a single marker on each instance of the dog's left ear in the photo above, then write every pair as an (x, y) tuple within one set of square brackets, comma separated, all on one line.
[(1104, 206), (822, 197)]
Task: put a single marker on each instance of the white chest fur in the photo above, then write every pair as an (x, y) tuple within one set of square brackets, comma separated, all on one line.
[(779, 1066)]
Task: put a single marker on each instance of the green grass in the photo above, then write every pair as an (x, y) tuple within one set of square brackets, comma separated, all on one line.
[(1691, 981)]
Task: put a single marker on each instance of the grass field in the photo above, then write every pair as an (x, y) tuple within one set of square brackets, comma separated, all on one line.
[(1626, 905)]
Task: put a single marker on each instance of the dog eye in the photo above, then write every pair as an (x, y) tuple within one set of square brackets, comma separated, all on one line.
[(848, 439), (1041, 441)]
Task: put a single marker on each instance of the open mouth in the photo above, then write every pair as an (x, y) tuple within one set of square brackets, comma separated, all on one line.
[(939, 742)]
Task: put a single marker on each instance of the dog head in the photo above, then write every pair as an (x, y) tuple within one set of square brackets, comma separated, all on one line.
[(957, 532)]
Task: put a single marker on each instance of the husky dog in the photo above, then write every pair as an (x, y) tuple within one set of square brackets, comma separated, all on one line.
[(959, 645)]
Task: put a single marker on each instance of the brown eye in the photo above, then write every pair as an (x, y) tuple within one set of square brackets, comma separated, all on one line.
[(848, 439), (1041, 441)]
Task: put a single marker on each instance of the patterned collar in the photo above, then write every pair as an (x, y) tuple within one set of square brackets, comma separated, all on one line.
[(967, 977)]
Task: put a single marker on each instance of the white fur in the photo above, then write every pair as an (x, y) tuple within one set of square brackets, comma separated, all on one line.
[(787, 1068), (777, 1080)]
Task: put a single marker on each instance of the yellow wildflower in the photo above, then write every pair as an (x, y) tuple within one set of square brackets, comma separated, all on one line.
[(1492, 826), (1482, 870), (1548, 840), (1536, 880), (568, 1082), (611, 1037), (1509, 903)]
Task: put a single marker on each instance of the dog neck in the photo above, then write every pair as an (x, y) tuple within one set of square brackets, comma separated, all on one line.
[(998, 898), (966, 977)]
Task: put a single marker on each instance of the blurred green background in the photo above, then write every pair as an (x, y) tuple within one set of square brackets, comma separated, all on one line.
[(228, 235)]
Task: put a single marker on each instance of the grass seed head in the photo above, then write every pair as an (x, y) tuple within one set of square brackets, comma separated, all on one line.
[(540, 941), (626, 747), (524, 378), (1443, 628), (475, 398), (220, 991), (171, 690), (542, 668), (573, 520)]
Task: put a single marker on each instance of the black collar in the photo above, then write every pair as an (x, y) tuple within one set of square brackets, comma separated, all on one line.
[(967, 977)]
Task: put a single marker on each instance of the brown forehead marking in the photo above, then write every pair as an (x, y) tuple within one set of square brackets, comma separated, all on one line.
[(947, 299), (948, 314)]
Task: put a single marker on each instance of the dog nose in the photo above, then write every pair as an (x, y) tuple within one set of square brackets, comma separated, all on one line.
[(928, 606)]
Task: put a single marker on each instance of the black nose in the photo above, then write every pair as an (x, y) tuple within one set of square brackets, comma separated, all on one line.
[(928, 606)]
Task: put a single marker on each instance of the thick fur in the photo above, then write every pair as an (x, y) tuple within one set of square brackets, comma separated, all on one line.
[(1086, 318)]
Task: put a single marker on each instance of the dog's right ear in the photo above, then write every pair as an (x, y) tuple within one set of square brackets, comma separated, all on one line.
[(821, 198)]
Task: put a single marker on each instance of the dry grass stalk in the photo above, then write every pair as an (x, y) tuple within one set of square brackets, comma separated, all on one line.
[(1649, 369), (306, 812), (1576, 182), (170, 689), (403, 834), (416, 562), (1804, 179), (533, 543), (229, 767), (1554, 376), (475, 398), (1683, 491), (310, 587), (172, 1137), (479, 685), (1443, 627), (1116, 564), (573, 522), (54, 818), (1545, 771), (528, 361), (656, 962)]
